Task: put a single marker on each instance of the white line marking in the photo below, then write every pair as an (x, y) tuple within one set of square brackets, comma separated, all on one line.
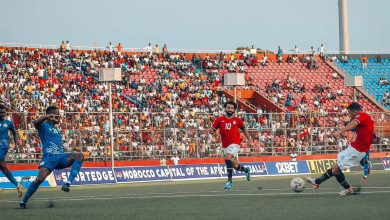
[(171, 195)]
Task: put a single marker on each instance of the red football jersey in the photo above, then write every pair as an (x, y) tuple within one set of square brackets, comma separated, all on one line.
[(229, 130), (364, 132)]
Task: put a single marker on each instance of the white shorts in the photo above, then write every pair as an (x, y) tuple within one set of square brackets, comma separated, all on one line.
[(349, 157), (232, 149)]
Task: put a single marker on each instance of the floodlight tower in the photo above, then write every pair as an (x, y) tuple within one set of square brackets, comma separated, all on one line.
[(343, 27), (110, 75)]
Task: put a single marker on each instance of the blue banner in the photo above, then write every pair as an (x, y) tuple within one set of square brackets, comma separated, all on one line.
[(86, 176), (257, 169), (23, 176), (288, 167), (386, 163), (135, 174), (196, 171)]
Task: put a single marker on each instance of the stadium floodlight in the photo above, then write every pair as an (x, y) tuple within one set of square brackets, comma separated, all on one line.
[(343, 27), (110, 75), (353, 81), (234, 79)]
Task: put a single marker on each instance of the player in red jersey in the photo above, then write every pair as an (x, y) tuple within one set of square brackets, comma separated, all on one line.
[(229, 128), (356, 151)]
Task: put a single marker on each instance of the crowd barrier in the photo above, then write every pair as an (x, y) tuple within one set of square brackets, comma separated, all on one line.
[(130, 174)]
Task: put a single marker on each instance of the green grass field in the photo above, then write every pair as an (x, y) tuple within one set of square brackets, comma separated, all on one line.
[(262, 198)]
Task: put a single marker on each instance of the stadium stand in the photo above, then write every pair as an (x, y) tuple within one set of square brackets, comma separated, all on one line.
[(376, 77), (165, 104)]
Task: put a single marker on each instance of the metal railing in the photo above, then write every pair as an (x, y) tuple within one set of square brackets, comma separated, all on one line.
[(161, 135), (210, 51)]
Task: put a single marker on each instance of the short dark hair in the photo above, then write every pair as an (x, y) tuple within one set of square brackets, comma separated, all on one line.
[(231, 103), (354, 106), (2, 107), (51, 109)]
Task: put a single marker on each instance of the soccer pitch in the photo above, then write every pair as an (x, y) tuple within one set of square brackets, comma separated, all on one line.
[(261, 198)]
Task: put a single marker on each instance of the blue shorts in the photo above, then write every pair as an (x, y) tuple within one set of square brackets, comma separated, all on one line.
[(54, 162), (3, 153)]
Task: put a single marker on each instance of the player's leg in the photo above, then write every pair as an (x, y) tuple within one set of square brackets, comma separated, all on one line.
[(239, 167), (338, 173), (75, 160), (330, 172), (43, 173), (8, 174), (229, 167), (351, 158), (366, 165)]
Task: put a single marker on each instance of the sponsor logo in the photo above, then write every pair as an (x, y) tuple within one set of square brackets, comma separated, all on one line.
[(287, 167), (386, 163), (86, 176), (320, 166)]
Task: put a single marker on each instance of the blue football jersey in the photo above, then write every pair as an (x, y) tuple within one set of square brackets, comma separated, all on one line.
[(5, 126), (51, 139)]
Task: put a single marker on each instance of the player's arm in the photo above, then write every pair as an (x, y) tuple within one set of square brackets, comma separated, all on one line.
[(215, 126), (247, 136), (14, 135), (38, 122), (213, 130), (351, 125)]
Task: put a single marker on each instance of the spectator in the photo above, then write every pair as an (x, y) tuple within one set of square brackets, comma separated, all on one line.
[(175, 160), (67, 46), (378, 59), (62, 46), (295, 58), (312, 64), (335, 75), (110, 47), (293, 156), (148, 49), (156, 50), (383, 82), (364, 61), (344, 59), (253, 51), (165, 51), (321, 50), (296, 50), (280, 55), (119, 48), (333, 58), (339, 92), (264, 60), (312, 51)]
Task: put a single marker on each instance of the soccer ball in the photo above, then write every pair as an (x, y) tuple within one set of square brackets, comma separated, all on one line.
[(297, 184)]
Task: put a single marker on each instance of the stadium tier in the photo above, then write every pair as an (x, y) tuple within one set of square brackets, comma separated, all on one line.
[(165, 103), (376, 76)]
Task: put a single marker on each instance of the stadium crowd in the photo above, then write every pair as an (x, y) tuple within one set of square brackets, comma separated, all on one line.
[(164, 104)]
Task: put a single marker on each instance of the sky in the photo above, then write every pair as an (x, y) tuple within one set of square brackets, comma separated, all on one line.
[(198, 24)]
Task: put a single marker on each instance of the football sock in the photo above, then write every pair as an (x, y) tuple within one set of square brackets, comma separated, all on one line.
[(240, 168), (74, 171), (11, 178), (328, 174), (229, 166), (341, 179), (30, 191), (366, 165)]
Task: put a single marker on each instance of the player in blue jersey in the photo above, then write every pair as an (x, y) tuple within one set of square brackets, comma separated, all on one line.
[(5, 126), (53, 153)]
